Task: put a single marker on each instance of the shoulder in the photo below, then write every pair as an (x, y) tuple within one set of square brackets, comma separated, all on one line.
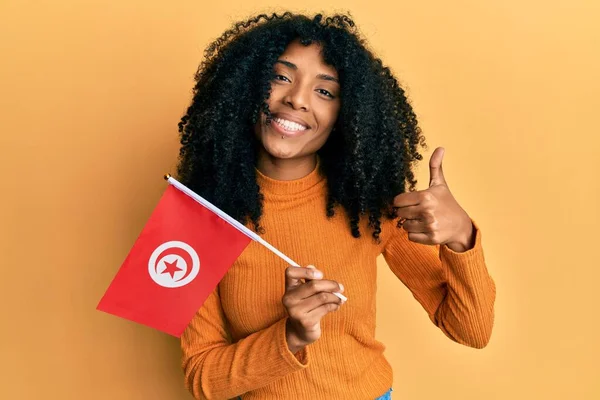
[(390, 231)]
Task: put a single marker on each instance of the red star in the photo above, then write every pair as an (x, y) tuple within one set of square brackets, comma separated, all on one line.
[(171, 268)]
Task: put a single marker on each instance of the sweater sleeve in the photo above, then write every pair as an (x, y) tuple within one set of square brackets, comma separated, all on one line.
[(215, 368), (454, 288)]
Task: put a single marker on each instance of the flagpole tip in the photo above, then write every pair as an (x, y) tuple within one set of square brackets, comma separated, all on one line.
[(167, 176)]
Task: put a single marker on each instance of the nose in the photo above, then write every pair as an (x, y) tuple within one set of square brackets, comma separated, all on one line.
[(298, 97)]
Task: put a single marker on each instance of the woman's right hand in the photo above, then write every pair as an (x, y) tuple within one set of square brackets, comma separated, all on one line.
[(306, 303)]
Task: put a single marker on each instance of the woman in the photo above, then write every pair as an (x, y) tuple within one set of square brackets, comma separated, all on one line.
[(296, 130)]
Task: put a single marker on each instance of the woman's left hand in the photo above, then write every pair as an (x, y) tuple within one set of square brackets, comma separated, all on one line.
[(432, 216)]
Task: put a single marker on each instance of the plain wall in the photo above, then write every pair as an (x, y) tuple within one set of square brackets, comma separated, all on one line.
[(90, 96)]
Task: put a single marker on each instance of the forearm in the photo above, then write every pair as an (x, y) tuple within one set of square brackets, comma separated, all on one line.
[(228, 370), (468, 318), (467, 312)]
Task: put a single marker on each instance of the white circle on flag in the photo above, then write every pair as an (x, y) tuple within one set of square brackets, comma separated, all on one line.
[(172, 270)]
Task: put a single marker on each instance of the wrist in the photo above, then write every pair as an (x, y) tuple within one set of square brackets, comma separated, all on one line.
[(465, 240), (293, 342)]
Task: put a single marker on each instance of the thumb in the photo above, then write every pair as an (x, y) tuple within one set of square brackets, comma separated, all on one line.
[(436, 173)]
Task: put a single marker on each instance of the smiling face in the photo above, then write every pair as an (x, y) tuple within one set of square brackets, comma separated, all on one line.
[(304, 102)]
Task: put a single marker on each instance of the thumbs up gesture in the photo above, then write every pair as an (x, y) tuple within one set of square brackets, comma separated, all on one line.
[(432, 216)]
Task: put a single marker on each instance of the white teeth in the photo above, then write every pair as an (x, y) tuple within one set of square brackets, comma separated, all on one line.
[(289, 125)]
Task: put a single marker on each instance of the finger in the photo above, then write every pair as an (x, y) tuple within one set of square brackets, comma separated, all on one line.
[(410, 212), (310, 288), (304, 280), (317, 300), (415, 226), (318, 313), (294, 275), (422, 238), (408, 199), (436, 174)]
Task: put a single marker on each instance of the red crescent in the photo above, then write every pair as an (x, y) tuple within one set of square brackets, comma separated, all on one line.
[(179, 252)]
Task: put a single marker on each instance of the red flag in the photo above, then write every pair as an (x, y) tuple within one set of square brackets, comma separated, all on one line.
[(181, 255)]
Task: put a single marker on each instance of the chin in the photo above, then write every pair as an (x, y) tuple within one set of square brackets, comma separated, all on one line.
[(278, 148)]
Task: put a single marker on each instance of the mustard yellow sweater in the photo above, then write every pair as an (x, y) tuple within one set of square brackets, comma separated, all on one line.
[(236, 345)]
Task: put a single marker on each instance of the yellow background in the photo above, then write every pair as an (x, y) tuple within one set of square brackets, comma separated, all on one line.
[(90, 95)]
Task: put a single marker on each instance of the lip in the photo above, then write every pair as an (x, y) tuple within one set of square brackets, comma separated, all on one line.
[(282, 131), (292, 118)]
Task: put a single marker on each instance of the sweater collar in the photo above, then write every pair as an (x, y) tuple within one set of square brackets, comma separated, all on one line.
[(313, 182)]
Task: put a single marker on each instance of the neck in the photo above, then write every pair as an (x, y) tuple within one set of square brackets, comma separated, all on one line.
[(286, 169)]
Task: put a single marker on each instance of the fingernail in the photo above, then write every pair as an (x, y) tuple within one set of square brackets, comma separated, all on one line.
[(318, 274), (341, 287)]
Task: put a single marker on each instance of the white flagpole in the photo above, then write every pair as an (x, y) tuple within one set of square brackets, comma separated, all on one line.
[(236, 224)]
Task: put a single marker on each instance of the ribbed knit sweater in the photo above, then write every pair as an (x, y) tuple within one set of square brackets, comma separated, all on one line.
[(236, 343)]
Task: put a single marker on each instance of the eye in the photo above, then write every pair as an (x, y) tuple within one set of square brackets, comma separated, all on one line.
[(326, 93), (281, 76)]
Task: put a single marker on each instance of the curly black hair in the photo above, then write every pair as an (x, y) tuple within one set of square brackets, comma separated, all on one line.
[(367, 158)]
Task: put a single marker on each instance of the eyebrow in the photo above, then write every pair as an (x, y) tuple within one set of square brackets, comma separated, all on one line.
[(320, 76)]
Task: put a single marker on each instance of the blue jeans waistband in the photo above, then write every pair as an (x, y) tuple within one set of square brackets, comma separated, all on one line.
[(386, 396)]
